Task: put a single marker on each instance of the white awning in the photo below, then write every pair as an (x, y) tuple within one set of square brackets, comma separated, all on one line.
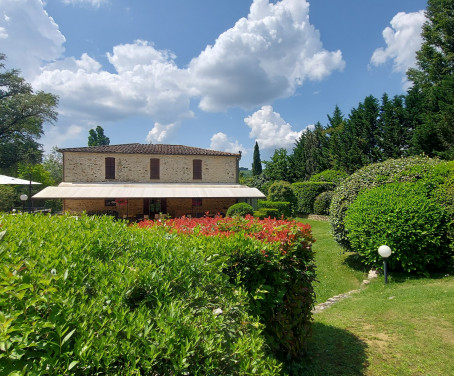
[(10, 180), (147, 190)]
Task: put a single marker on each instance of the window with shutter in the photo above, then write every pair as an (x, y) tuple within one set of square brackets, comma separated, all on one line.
[(197, 169), (110, 168), (154, 168)]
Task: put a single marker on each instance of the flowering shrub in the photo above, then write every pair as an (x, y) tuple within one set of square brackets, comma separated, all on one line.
[(272, 260)]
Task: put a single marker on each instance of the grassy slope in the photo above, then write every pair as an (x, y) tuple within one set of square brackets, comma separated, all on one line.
[(403, 328), (333, 273)]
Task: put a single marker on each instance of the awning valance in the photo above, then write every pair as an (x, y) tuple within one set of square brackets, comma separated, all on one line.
[(147, 190)]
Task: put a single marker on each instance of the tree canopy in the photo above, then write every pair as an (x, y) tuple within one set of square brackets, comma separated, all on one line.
[(22, 115), (256, 162), (97, 137)]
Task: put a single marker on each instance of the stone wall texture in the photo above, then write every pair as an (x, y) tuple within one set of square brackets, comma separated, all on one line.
[(90, 167)]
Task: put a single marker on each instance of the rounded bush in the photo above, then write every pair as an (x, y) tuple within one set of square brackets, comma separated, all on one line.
[(404, 217), (374, 175), (322, 203), (240, 209), (330, 176), (281, 191)]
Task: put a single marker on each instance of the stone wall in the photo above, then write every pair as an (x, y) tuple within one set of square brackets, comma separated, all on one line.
[(90, 167)]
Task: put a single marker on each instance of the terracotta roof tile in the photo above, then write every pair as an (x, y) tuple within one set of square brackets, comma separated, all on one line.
[(148, 149)]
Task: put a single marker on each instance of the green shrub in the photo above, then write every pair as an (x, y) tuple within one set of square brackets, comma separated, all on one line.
[(404, 217), (259, 214), (281, 191), (242, 209), (7, 196), (330, 176), (90, 296), (322, 203), (281, 208), (306, 192), (393, 170)]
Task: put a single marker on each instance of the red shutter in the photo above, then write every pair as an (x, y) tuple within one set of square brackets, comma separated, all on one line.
[(154, 168), (110, 168), (197, 169)]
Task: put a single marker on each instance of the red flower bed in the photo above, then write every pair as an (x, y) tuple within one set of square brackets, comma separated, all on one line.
[(268, 230)]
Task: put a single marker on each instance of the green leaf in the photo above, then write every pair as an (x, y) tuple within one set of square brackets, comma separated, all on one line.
[(68, 336)]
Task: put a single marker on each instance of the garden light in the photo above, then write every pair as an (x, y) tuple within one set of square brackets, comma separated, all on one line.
[(24, 198), (384, 251)]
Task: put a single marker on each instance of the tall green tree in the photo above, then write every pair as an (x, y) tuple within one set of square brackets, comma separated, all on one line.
[(433, 82), (279, 168), (97, 137), (22, 115), (256, 161)]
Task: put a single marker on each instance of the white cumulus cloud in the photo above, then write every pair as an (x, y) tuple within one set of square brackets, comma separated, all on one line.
[(263, 57), (220, 141), (270, 130), (94, 3), (30, 37), (402, 39)]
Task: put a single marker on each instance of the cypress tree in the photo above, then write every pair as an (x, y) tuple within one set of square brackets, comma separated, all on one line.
[(256, 162)]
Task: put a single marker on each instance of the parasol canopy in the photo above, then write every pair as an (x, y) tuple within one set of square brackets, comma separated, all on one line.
[(10, 180)]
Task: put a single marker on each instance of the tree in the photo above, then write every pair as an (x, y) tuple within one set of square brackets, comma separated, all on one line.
[(256, 162), (97, 137), (433, 82), (22, 115), (279, 167), (53, 163)]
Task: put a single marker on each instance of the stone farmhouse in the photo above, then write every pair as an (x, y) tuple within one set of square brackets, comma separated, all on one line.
[(144, 180)]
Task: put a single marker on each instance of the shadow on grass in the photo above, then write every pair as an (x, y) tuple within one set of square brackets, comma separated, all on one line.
[(332, 351), (353, 261)]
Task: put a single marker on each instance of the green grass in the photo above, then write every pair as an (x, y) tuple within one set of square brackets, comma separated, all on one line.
[(403, 328), (334, 274)]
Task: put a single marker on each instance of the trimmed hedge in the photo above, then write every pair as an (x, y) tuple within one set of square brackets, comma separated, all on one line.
[(279, 208), (330, 176), (404, 217), (281, 191), (241, 208), (374, 175), (306, 192), (322, 203)]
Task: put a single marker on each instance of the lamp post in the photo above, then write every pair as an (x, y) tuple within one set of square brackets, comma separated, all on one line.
[(23, 198), (384, 251)]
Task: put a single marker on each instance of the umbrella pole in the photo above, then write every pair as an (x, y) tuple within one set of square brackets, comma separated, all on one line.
[(30, 194)]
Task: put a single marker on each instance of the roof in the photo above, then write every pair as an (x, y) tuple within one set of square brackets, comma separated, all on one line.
[(10, 180), (149, 149), (147, 190)]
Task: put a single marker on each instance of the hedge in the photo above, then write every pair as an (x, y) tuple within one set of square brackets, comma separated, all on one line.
[(322, 203), (404, 217), (241, 209), (281, 208), (330, 176), (306, 192), (374, 175)]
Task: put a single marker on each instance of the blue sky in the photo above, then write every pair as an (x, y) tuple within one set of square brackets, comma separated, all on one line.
[(217, 74)]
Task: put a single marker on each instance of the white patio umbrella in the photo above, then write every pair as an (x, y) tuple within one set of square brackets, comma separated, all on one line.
[(10, 180)]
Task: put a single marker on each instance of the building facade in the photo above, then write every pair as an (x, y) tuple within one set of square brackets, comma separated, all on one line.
[(145, 180)]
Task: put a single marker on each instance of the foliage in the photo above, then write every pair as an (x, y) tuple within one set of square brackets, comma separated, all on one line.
[(277, 274), (241, 209), (279, 208), (256, 162), (306, 192), (97, 137), (322, 203), (281, 191), (22, 115), (372, 176), (279, 168), (115, 299), (7, 197), (330, 176), (262, 183), (433, 82), (53, 164), (264, 213), (402, 216)]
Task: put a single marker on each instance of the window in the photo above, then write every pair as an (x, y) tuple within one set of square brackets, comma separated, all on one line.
[(197, 169), (110, 168), (154, 168)]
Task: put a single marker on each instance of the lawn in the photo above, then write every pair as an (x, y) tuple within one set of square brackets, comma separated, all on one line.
[(403, 328)]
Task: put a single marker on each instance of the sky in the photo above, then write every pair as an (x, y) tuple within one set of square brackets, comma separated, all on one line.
[(217, 74)]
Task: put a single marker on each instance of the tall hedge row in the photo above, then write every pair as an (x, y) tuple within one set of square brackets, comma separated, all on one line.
[(306, 192), (371, 176)]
